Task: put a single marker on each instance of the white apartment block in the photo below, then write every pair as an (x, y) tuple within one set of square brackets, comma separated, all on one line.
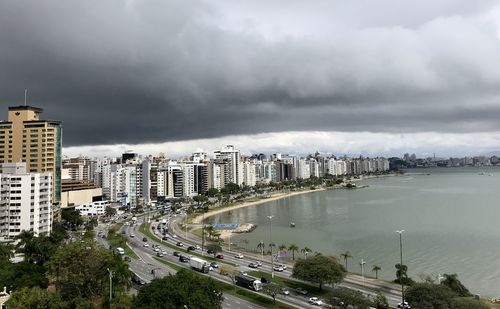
[(96, 209), (25, 202), (232, 157), (248, 173), (303, 169)]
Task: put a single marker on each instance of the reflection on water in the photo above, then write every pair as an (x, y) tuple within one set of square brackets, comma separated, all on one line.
[(450, 218)]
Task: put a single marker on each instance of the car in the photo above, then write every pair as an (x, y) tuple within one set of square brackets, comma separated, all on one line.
[(100, 233), (183, 259), (284, 291), (174, 236), (259, 263), (405, 306), (157, 249), (198, 247), (239, 256), (220, 256), (159, 254), (132, 235), (315, 301), (301, 291), (146, 245), (177, 253), (179, 244), (214, 265), (144, 239), (278, 268), (210, 251), (153, 227), (253, 265), (163, 251), (127, 258), (282, 266), (137, 280), (191, 248)]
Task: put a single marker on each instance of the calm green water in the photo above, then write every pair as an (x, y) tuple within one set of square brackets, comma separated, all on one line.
[(451, 218)]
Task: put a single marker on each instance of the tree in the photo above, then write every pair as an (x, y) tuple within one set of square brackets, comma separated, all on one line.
[(282, 247), (109, 211), (319, 269), (199, 199), (380, 301), (271, 289), (427, 295), (185, 289), (305, 251), (212, 192), (261, 246), (346, 255), (376, 269), (455, 285), (79, 270), (467, 303), (71, 218), (229, 271), (35, 298), (230, 188), (293, 248), (402, 275), (216, 248)]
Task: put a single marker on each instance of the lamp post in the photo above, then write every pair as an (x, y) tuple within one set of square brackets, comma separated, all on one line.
[(271, 243), (186, 224), (400, 232), (110, 285), (203, 233), (362, 264)]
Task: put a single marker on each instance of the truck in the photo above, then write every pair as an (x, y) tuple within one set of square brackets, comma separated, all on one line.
[(199, 265), (248, 282)]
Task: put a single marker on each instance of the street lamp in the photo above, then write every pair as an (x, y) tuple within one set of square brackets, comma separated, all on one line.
[(110, 285), (271, 244), (362, 264), (400, 232)]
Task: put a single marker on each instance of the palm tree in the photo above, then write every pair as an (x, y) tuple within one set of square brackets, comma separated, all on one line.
[(261, 246), (282, 247), (305, 251), (293, 248), (346, 255), (376, 269), (245, 241)]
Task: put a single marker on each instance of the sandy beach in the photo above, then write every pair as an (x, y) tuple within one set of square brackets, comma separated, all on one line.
[(273, 197)]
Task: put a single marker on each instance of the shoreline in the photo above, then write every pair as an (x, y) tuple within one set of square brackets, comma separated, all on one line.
[(273, 197)]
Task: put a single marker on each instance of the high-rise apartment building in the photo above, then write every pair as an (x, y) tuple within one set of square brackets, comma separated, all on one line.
[(25, 201), (24, 137)]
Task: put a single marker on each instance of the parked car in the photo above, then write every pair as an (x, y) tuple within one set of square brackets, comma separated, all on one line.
[(315, 301), (132, 235), (180, 244), (239, 256), (301, 291), (253, 265), (220, 256)]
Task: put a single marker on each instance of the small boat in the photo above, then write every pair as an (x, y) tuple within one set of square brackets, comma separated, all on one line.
[(292, 224)]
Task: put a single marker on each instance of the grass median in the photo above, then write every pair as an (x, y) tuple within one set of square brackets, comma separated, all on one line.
[(289, 283), (118, 240)]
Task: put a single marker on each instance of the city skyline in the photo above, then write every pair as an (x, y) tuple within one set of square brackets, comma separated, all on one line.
[(187, 72)]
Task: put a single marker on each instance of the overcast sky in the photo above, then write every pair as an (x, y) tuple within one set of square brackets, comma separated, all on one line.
[(357, 77)]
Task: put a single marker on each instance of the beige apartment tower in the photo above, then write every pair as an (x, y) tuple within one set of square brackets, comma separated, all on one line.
[(24, 137)]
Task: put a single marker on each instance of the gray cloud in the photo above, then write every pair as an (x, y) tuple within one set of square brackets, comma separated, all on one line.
[(151, 71)]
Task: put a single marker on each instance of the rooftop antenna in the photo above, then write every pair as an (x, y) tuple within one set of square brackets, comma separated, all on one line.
[(25, 96)]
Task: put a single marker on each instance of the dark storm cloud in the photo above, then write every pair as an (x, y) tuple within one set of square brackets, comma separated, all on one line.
[(150, 71)]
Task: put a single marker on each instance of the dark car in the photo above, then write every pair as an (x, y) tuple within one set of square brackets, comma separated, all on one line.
[(164, 238), (177, 253), (183, 259), (127, 258), (214, 265), (220, 256), (145, 239), (191, 248), (210, 251), (153, 227), (137, 280), (301, 291)]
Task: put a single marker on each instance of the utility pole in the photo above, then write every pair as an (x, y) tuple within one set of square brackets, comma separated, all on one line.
[(271, 243), (110, 286), (400, 232)]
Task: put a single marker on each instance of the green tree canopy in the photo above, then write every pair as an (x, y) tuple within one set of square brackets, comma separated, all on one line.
[(212, 192), (455, 285), (271, 289), (467, 303), (319, 269), (183, 290), (79, 270), (71, 219), (349, 297), (35, 298), (429, 296), (109, 211)]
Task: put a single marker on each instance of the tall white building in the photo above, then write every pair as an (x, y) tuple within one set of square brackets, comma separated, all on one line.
[(303, 169), (25, 201), (233, 160)]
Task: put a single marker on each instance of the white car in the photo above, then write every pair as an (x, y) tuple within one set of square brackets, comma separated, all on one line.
[(282, 266), (315, 301), (146, 245), (239, 256), (278, 268), (406, 305), (157, 249), (132, 235), (198, 247)]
